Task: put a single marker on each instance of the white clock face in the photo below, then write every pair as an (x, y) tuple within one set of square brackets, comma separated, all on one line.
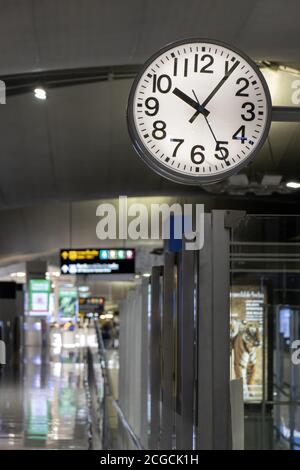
[(199, 111)]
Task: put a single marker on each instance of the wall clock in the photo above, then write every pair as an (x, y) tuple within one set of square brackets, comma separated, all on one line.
[(198, 111)]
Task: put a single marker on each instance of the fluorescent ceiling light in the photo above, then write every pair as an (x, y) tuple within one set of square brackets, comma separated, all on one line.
[(40, 93), (293, 184), (83, 288), (20, 274)]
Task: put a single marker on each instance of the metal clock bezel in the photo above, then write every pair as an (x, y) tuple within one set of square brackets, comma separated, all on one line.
[(164, 170)]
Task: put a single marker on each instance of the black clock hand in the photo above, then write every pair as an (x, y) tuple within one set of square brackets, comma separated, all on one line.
[(221, 82), (226, 76), (213, 134), (210, 128), (187, 99), (218, 142)]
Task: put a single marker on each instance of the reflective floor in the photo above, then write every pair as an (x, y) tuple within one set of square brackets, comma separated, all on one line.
[(43, 401)]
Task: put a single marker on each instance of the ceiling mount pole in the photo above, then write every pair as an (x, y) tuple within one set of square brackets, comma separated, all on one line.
[(285, 114)]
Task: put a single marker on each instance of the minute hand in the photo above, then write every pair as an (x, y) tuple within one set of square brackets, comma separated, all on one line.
[(226, 76)]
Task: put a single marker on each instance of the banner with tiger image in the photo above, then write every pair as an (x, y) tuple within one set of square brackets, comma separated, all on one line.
[(246, 338)]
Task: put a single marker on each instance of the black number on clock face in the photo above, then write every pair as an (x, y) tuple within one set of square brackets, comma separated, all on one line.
[(245, 84), (185, 67), (163, 83), (240, 134), (228, 69), (209, 61), (197, 155), (179, 142), (224, 153), (175, 66), (152, 104), (250, 114), (159, 131)]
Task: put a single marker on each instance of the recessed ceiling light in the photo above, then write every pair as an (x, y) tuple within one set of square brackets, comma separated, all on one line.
[(146, 274), (293, 184), (40, 93)]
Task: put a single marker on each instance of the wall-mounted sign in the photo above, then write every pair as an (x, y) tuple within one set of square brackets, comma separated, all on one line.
[(246, 335), (68, 303), (92, 303), (97, 261), (199, 111), (39, 292)]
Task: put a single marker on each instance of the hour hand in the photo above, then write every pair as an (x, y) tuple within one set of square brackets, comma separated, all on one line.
[(187, 99)]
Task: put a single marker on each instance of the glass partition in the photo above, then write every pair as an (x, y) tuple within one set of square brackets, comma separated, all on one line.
[(265, 306)]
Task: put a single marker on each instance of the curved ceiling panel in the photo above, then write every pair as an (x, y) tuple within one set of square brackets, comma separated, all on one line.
[(40, 35), (75, 145)]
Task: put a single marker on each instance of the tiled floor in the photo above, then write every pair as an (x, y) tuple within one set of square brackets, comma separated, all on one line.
[(43, 402)]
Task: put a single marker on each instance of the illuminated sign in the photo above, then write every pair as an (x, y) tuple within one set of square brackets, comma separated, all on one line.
[(68, 303), (92, 301), (38, 415), (246, 337), (97, 261), (39, 291)]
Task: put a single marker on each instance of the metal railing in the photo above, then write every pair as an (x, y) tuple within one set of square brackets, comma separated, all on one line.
[(106, 418)]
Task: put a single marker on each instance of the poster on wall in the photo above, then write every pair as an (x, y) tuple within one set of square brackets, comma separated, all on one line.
[(39, 292), (246, 338), (68, 303)]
